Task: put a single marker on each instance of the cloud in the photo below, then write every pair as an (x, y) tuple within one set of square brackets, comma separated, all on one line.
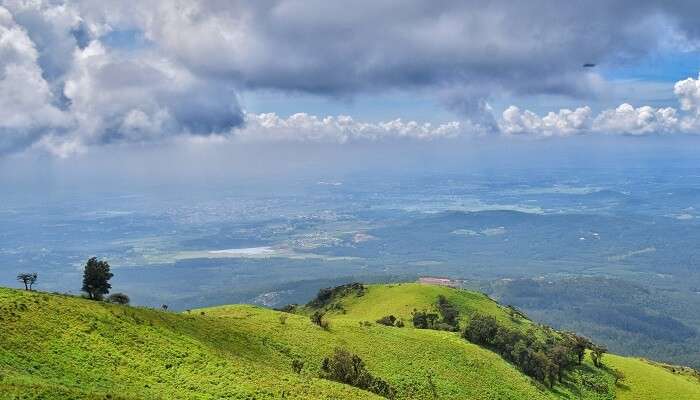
[(120, 97), (564, 123), (114, 71), (26, 101), (303, 127), (625, 119)]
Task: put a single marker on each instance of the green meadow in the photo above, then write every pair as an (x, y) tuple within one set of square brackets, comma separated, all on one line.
[(63, 347)]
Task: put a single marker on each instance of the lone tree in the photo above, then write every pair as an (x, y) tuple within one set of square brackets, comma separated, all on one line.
[(96, 278), (28, 278)]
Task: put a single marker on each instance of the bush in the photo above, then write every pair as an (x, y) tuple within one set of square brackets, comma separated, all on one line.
[(387, 320), (544, 358), (424, 319), (118, 298), (297, 365), (399, 323), (441, 326), (289, 308), (349, 368), (283, 318), (481, 330), (450, 314), (326, 295), (318, 319)]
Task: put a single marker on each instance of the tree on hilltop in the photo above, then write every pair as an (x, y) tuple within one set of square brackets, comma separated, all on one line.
[(96, 278), (28, 278)]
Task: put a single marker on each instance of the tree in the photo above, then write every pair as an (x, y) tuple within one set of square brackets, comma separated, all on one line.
[(119, 298), (579, 344), (481, 330), (349, 368), (387, 320), (96, 278), (450, 314), (318, 319), (618, 375), (424, 319), (28, 278), (597, 355)]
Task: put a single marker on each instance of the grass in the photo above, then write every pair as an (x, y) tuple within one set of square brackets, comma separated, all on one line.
[(58, 347), (645, 380)]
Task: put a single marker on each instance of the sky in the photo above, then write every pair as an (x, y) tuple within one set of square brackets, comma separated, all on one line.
[(258, 86)]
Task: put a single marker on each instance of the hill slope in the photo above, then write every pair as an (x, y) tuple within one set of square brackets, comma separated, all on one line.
[(56, 347)]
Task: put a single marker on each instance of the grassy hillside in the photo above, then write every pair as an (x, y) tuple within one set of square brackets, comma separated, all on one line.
[(57, 347)]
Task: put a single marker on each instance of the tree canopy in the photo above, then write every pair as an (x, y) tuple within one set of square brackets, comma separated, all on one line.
[(96, 278)]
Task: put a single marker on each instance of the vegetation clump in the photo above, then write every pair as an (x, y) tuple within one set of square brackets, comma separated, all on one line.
[(28, 279), (546, 357), (96, 276), (326, 295), (317, 318), (388, 320), (119, 298), (450, 314), (431, 320), (349, 368), (297, 365), (424, 319)]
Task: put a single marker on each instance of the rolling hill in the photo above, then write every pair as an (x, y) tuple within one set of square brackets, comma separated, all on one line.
[(57, 347)]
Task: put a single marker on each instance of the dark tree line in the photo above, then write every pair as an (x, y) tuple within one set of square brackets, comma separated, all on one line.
[(546, 357)]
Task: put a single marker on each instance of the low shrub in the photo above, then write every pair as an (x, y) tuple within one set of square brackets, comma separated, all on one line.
[(118, 298), (297, 365), (317, 318), (388, 320)]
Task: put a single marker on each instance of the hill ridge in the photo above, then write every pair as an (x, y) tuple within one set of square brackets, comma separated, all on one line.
[(56, 347)]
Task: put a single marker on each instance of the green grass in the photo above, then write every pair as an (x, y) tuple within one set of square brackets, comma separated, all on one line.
[(644, 380), (59, 347), (402, 298)]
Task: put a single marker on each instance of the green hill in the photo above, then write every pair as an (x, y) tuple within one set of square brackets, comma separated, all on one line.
[(59, 347)]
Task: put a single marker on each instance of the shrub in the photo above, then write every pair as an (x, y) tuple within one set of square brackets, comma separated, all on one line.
[(297, 365), (424, 319), (441, 326), (597, 355), (544, 358), (326, 295), (387, 320), (349, 368), (399, 323), (318, 319), (118, 298), (283, 318), (289, 308), (481, 329), (618, 375), (450, 314)]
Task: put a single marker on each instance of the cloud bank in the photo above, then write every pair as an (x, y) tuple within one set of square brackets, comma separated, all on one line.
[(625, 119), (78, 73)]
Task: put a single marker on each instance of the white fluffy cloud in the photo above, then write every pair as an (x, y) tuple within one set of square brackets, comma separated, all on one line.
[(303, 127), (565, 122), (625, 119)]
